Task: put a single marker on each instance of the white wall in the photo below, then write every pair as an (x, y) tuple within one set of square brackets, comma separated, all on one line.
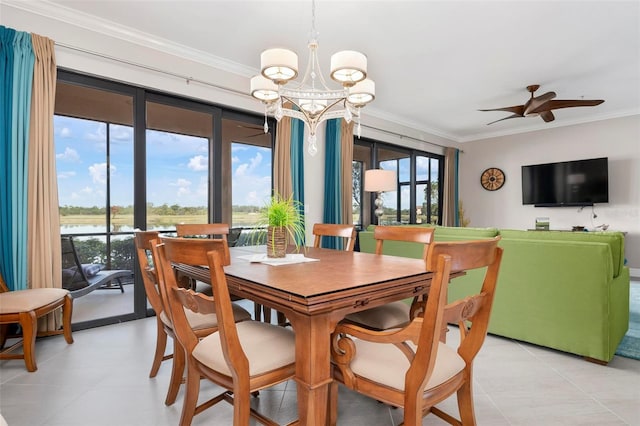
[(617, 139)]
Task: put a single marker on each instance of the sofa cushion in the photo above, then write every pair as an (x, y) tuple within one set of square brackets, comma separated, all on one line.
[(615, 240)]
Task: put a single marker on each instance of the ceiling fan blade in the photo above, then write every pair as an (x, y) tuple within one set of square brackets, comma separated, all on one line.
[(258, 134), (506, 118), (566, 103), (535, 104), (517, 109), (547, 116)]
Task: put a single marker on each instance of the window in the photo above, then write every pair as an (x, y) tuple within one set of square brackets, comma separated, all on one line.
[(130, 158), (247, 161), (94, 147), (419, 194), (177, 164)]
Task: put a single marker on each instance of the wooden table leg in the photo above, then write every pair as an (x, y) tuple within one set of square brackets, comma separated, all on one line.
[(313, 367)]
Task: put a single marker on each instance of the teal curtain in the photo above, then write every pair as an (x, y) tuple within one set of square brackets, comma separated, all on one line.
[(16, 80), (332, 179), (297, 164)]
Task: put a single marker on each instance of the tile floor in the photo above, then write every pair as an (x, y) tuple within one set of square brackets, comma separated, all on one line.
[(102, 380)]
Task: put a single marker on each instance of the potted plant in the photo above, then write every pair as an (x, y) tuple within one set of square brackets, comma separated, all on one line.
[(284, 222)]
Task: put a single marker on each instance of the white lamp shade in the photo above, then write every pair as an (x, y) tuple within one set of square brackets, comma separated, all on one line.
[(378, 180), (279, 65), (264, 89), (362, 93), (312, 106), (348, 67)]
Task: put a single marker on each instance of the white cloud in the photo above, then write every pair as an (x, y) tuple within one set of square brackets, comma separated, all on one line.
[(184, 186), (98, 172), (65, 132), (245, 169), (69, 154), (66, 175), (203, 187), (121, 133), (241, 170), (234, 160), (181, 182), (198, 163)]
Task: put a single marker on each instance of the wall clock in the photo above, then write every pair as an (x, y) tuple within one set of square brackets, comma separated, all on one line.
[(492, 179)]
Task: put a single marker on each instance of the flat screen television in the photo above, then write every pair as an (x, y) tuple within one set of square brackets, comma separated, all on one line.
[(568, 183)]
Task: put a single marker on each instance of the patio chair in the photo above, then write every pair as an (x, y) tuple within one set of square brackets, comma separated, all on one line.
[(81, 279)]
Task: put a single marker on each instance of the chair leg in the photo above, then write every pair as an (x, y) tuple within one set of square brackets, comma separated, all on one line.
[(67, 313), (332, 407), (4, 330), (177, 370), (465, 404), (29, 324), (161, 344), (190, 396), (241, 404)]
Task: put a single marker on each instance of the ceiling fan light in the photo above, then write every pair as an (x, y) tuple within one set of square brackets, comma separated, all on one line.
[(264, 89), (362, 93), (348, 67), (279, 65)]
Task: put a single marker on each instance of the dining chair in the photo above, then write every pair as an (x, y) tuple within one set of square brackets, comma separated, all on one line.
[(203, 230), (242, 357), (202, 325), (345, 232), (25, 307), (395, 314), (412, 367), (214, 230)]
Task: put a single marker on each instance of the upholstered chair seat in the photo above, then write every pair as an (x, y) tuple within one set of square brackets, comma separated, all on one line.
[(268, 348), (200, 321), (370, 356)]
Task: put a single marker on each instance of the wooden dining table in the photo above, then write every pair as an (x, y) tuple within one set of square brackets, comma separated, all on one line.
[(315, 296)]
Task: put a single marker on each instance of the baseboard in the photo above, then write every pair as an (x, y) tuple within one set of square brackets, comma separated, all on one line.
[(635, 273)]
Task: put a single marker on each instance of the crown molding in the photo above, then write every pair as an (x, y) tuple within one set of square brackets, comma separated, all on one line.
[(93, 23), (545, 126)]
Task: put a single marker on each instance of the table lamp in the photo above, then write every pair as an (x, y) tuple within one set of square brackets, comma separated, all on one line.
[(379, 181)]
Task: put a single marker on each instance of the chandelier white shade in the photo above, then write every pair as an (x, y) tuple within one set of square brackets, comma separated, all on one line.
[(310, 99)]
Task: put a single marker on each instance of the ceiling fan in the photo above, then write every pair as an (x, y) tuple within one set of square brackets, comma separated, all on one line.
[(542, 105)]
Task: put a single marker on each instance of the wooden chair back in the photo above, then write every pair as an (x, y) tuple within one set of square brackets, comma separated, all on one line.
[(346, 232), (470, 314), (208, 230), (415, 234), (144, 241)]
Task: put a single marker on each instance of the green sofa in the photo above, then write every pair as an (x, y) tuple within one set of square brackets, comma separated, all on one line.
[(563, 290)]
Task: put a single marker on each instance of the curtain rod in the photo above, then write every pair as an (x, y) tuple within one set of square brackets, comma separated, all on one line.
[(189, 80), (186, 78), (402, 136)]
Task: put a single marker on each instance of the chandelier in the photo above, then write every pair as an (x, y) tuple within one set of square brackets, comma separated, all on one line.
[(311, 100)]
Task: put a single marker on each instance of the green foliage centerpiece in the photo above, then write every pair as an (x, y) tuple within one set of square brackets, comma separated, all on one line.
[(284, 221)]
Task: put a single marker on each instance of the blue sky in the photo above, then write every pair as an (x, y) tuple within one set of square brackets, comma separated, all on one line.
[(176, 167)]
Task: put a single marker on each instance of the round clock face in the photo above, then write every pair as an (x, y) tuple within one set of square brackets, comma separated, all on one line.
[(492, 179)]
